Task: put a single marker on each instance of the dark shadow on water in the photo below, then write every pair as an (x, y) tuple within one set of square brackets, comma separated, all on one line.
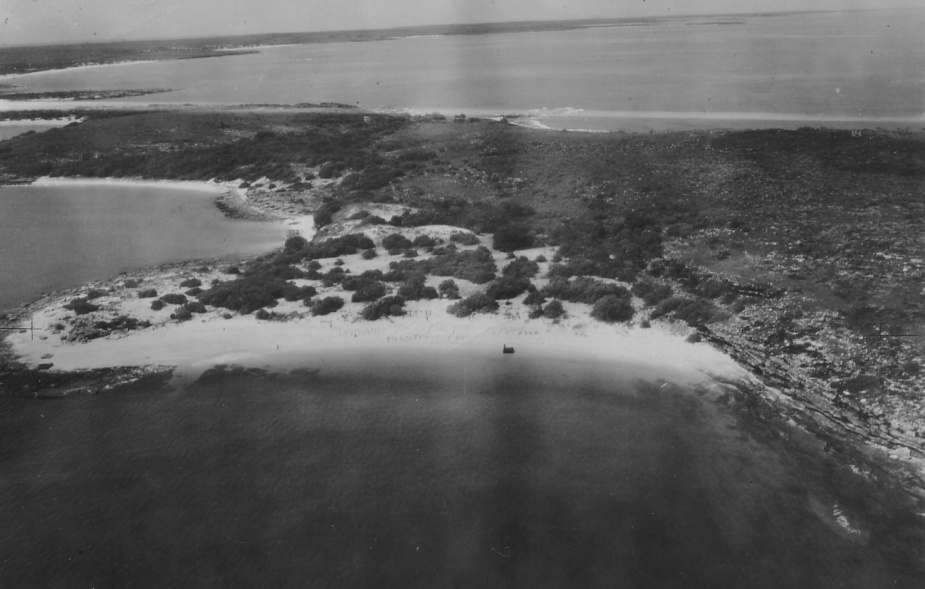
[(460, 472)]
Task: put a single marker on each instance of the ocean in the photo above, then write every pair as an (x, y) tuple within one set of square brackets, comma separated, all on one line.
[(55, 237), (860, 68), (441, 469)]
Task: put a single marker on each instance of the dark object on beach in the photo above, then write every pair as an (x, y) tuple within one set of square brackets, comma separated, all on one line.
[(506, 350)]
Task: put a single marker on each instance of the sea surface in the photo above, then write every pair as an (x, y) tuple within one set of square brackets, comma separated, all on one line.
[(438, 469), (54, 237), (861, 68)]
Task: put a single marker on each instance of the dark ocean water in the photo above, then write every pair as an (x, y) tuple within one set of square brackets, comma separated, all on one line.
[(432, 471)]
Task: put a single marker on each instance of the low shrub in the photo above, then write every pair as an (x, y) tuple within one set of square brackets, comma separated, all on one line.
[(190, 283), (583, 289), (95, 293), (651, 292), (81, 306), (369, 254), (521, 268), (396, 242), (611, 309), (181, 314), (507, 287), (130, 283), (327, 305), (534, 298), (464, 238), (195, 307), (195, 291), (370, 291), (344, 245), (424, 241), (148, 293), (477, 303), (157, 305), (512, 237), (554, 310), (386, 307), (174, 298), (448, 289), (694, 312)]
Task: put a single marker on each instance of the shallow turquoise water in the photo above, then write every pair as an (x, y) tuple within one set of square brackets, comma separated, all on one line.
[(437, 470)]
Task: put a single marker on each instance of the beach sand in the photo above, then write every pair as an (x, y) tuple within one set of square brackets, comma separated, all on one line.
[(219, 337)]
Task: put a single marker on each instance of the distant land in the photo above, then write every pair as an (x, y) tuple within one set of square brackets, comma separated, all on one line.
[(36, 58)]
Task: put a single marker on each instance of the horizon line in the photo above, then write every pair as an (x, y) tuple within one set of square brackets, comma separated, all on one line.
[(763, 13)]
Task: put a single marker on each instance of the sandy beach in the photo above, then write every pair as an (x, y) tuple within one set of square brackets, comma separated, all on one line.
[(296, 337)]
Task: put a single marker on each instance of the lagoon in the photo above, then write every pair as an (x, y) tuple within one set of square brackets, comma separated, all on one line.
[(55, 237)]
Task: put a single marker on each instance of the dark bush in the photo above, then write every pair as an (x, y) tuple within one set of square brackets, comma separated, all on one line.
[(449, 289), (344, 245), (174, 298), (231, 270), (369, 254), (327, 305), (369, 292), (130, 283), (694, 312), (195, 307), (195, 291), (191, 283), (554, 310), (385, 307), (95, 293), (651, 292), (511, 238), (122, 323), (583, 289), (477, 303), (464, 238), (81, 306), (295, 243), (181, 314), (507, 287), (611, 308), (148, 293), (476, 266), (424, 241), (396, 242), (157, 305), (246, 294), (521, 268), (534, 298)]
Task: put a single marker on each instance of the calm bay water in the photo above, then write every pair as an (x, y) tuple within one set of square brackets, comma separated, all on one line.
[(783, 70), (435, 470), (53, 237)]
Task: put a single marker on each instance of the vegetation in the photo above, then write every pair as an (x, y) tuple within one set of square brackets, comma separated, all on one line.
[(583, 289), (448, 289), (81, 306), (477, 303), (173, 299), (611, 308), (327, 305), (386, 307)]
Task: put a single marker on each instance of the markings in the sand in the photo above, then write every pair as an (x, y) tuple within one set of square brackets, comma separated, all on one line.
[(31, 328)]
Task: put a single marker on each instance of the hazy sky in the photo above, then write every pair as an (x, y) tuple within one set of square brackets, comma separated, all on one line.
[(68, 21)]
